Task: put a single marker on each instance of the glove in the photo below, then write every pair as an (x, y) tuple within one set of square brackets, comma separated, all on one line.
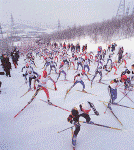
[(55, 88), (88, 79), (96, 113), (69, 119), (109, 87)]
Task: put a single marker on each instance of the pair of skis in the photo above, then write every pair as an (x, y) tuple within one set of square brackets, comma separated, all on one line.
[(99, 82), (86, 92), (103, 83), (127, 96), (118, 104), (100, 125), (79, 91), (33, 97), (55, 105), (108, 107)]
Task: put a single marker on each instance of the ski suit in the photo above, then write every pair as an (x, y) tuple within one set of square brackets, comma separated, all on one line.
[(32, 75), (98, 70), (79, 63), (43, 84), (86, 64), (53, 65), (112, 89), (81, 110), (61, 71)]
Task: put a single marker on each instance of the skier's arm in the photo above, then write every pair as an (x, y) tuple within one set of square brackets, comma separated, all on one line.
[(70, 119), (94, 109)]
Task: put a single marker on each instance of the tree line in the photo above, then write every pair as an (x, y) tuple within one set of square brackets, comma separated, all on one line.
[(106, 31)]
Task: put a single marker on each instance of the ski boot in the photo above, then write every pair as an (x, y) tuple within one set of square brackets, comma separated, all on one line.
[(83, 90), (49, 102), (74, 140)]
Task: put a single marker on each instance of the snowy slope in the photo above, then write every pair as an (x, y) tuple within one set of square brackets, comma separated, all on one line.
[(36, 127)]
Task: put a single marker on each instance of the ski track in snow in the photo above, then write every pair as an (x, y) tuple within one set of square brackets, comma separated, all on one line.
[(36, 127)]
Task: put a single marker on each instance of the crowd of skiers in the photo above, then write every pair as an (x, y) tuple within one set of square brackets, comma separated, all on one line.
[(58, 58)]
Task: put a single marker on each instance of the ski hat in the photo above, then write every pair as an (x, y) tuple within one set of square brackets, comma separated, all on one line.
[(27, 65), (74, 111), (123, 78), (44, 73), (83, 71), (62, 63)]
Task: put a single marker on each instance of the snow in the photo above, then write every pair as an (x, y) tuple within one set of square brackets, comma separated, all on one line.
[(36, 127)]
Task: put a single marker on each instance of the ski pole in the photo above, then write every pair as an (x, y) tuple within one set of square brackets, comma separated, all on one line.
[(106, 108), (24, 94), (109, 101), (55, 105), (124, 96), (92, 123), (33, 97), (113, 114), (65, 129)]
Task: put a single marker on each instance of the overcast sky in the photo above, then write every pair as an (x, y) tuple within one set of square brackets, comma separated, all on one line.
[(69, 12)]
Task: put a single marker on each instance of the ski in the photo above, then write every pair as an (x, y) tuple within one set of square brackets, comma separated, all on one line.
[(55, 105), (92, 123), (64, 80), (72, 136), (103, 83), (117, 104), (127, 96), (33, 97), (113, 113), (86, 92)]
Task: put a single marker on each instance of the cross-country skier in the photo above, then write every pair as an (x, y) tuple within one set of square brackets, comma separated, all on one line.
[(65, 58), (81, 110), (42, 85), (72, 61), (53, 65), (48, 60), (86, 64), (26, 67), (125, 78), (112, 89), (120, 54), (109, 60), (78, 79), (132, 74), (98, 70), (32, 75), (79, 62), (61, 70)]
